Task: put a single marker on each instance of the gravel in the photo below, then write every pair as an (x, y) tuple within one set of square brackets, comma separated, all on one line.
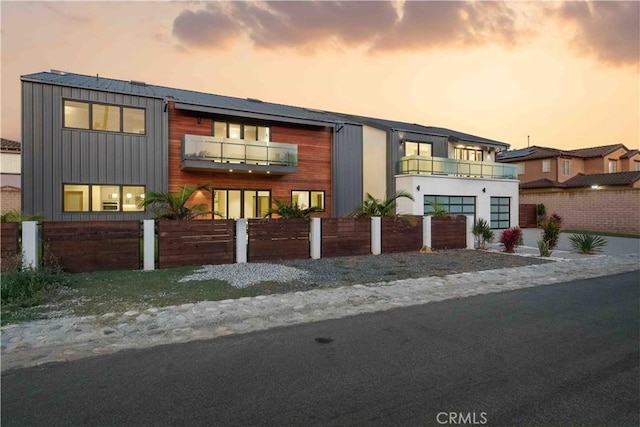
[(332, 272)]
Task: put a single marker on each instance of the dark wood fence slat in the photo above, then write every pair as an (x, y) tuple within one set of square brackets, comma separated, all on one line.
[(278, 239), (528, 216), (401, 234), (449, 232), (346, 237), (9, 247)]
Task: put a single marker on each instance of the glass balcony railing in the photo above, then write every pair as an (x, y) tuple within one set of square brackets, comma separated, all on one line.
[(225, 150), (442, 166)]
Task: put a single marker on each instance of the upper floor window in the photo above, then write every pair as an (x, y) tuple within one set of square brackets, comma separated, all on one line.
[(520, 168), (417, 148), (613, 166), (241, 131), (566, 167), (468, 154), (546, 165), (104, 117), (636, 165)]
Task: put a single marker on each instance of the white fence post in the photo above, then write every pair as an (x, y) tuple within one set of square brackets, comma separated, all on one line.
[(30, 244), (376, 235), (426, 231), (241, 240), (315, 238), (470, 236), (149, 244)]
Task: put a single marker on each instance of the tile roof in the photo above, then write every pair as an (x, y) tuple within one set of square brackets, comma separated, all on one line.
[(542, 183), (630, 154), (9, 145), (584, 181), (600, 151), (536, 152)]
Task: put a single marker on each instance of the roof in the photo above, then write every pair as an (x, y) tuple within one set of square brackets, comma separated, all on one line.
[(9, 145), (536, 152), (416, 128), (180, 95), (630, 154), (583, 181)]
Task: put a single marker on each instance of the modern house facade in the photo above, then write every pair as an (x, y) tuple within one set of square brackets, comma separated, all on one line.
[(93, 147)]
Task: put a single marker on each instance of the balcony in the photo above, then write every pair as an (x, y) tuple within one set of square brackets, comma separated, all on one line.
[(236, 155), (422, 165)]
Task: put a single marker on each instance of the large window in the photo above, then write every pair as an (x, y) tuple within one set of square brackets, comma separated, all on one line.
[(241, 131), (465, 205), (546, 166), (500, 212), (613, 166), (102, 198), (417, 148), (233, 204), (104, 117), (305, 199), (566, 167), (468, 154)]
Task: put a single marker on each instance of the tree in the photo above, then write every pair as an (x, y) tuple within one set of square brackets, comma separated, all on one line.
[(375, 207), (172, 205), (290, 210)]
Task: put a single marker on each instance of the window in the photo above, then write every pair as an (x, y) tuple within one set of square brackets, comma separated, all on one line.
[(636, 165), (468, 154), (500, 212), (102, 198), (109, 118), (241, 131), (613, 166), (546, 165), (232, 204), (520, 168), (417, 148), (305, 199), (566, 167), (465, 205)]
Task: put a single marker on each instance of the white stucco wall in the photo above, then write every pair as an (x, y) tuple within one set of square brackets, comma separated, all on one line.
[(455, 186), (374, 162)]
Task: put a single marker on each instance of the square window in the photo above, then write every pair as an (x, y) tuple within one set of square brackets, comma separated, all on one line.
[(76, 114), (106, 117), (133, 120), (220, 130), (75, 198), (132, 198)]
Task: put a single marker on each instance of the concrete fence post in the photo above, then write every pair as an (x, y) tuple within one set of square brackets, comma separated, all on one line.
[(426, 231), (376, 235), (149, 244), (316, 238), (470, 236), (30, 244), (241, 240)]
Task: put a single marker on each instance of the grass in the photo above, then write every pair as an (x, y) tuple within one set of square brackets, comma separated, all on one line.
[(119, 291), (602, 233)]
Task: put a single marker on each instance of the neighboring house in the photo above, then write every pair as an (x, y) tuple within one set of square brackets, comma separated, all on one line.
[(93, 147), (9, 175), (552, 164)]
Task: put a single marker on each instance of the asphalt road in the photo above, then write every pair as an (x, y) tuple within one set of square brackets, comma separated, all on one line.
[(560, 355)]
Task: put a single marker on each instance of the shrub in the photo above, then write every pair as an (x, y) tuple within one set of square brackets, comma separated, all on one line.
[(28, 287), (557, 218), (551, 231), (291, 210), (541, 212), (483, 233), (510, 238), (543, 247), (587, 243)]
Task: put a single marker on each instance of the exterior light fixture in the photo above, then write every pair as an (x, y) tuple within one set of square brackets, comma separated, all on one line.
[(250, 171), (595, 186), (418, 188), (230, 170), (484, 189)]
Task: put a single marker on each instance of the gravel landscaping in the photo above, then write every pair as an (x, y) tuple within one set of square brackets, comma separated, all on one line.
[(332, 272)]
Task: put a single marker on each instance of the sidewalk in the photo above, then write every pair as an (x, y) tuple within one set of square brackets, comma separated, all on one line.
[(72, 338)]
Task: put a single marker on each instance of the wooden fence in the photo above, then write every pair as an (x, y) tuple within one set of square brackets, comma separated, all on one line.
[(9, 247), (528, 216), (278, 239), (346, 236), (401, 234), (195, 242), (91, 246), (449, 232)]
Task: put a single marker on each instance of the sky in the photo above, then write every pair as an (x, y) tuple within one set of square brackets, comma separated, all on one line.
[(554, 74)]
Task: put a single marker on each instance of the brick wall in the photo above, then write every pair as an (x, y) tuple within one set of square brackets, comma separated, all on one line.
[(10, 199), (608, 210)]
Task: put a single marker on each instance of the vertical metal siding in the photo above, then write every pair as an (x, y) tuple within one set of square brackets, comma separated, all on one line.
[(347, 170), (53, 155)]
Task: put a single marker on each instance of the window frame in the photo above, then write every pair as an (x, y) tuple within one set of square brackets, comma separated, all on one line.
[(613, 165), (91, 104), (225, 214), (324, 198), (227, 124), (546, 164), (90, 196), (566, 171), (521, 168), (420, 146), (458, 154), (427, 208), (497, 223)]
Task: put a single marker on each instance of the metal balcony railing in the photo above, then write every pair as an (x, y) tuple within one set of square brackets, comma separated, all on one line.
[(422, 165)]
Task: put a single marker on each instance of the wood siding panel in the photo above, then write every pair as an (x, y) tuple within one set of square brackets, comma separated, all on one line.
[(528, 217), (346, 237), (92, 246), (449, 232), (9, 247), (278, 239), (195, 242), (314, 159), (400, 235)]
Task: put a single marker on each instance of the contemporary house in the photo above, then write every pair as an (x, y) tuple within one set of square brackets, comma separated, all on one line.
[(9, 175), (93, 147)]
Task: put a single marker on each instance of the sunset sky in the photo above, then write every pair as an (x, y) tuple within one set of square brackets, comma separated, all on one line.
[(565, 73)]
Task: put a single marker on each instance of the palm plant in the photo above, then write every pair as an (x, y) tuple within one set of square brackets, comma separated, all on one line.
[(290, 210), (375, 207), (587, 244), (483, 233), (15, 215), (173, 205)]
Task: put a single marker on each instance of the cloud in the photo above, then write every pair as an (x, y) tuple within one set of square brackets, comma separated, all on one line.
[(609, 31)]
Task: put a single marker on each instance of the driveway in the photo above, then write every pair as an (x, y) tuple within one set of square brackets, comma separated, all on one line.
[(617, 246)]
